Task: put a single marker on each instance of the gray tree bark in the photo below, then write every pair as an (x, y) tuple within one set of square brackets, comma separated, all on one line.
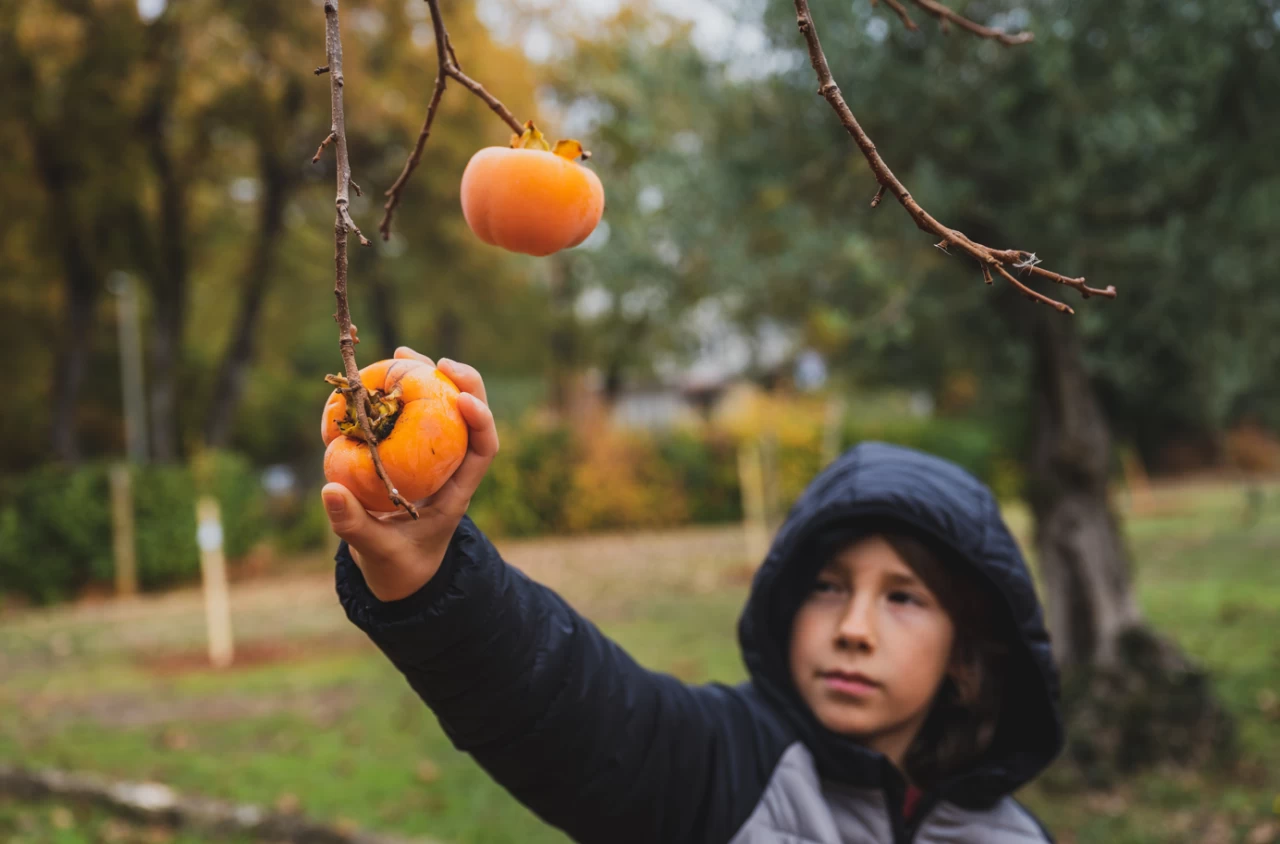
[(1132, 698), (1082, 556), (277, 184)]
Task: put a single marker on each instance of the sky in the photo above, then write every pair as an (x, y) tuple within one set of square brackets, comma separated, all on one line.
[(716, 32)]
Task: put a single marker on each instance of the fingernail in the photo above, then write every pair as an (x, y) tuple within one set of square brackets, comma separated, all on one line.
[(444, 361), (335, 505)]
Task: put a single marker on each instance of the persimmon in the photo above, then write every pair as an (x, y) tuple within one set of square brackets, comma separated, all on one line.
[(419, 430), (530, 197)]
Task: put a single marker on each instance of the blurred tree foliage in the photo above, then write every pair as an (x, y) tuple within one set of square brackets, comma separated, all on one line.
[(1131, 143), (1128, 143), (178, 150)]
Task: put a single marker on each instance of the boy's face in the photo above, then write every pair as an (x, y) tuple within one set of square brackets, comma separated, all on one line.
[(870, 645)]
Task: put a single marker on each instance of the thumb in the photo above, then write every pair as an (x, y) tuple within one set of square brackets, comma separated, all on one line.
[(347, 516)]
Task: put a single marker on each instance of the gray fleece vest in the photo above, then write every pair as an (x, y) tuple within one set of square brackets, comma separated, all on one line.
[(797, 807)]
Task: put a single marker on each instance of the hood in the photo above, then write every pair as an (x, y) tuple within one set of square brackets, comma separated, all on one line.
[(884, 485)]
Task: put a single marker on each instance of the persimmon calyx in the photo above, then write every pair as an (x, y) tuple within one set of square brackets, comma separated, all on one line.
[(532, 138), (383, 409)]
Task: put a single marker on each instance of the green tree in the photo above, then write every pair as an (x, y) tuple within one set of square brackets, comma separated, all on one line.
[(1126, 146)]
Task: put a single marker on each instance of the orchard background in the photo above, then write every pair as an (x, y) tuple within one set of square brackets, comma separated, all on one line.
[(663, 391)]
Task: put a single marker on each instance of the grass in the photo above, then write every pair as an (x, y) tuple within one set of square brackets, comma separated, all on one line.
[(312, 716)]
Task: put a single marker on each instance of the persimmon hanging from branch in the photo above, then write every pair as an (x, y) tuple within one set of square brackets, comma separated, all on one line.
[(409, 407)]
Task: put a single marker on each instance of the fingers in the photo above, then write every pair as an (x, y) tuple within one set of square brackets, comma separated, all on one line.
[(466, 377), (350, 521), (481, 448), (483, 433), (405, 353)]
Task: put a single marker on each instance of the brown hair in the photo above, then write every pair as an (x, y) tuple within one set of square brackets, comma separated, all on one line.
[(962, 720)]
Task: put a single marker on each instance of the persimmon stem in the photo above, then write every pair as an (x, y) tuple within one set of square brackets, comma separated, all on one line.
[(447, 67), (342, 224), (988, 258)]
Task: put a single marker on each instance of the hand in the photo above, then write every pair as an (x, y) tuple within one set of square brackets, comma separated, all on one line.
[(397, 554)]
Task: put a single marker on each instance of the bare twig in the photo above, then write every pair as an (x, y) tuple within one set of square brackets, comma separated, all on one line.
[(875, 201), (342, 224), (988, 258), (1031, 294), (897, 6), (324, 68), (447, 67), (320, 149), (946, 16)]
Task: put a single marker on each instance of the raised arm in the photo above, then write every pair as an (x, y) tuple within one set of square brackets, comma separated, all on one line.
[(558, 713)]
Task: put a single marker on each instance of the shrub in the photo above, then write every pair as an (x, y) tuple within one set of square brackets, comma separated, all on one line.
[(55, 525)]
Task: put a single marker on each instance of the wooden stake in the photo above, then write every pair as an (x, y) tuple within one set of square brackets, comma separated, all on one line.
[(1135, 477), (751, 482), (213, 572), (123, 546), (769, 486), (832, 429)]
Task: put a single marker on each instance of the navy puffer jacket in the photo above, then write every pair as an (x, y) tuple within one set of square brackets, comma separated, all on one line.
[(608, 751)]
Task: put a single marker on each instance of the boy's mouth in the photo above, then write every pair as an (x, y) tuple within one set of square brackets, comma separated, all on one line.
[(849, 683)]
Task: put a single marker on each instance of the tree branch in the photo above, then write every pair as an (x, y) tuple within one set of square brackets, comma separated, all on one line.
[(897, 6), (357, 396), (447, 67), (946, 16), (990, 259)]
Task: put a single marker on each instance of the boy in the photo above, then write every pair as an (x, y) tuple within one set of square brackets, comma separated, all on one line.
[(901, 685)]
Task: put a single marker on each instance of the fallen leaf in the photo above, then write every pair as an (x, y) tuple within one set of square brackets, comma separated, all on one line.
[(174, 739), (61, 818), (1264, 833), (113, 831), (428, 771), (1219, 831), (1269, 703), (288, 804), (157, 834)]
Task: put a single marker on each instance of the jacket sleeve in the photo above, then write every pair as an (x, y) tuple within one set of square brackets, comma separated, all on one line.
[(559, 714)]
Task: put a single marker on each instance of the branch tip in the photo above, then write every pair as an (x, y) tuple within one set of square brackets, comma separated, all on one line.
[(447, 67), (988, 259), (333, 135)]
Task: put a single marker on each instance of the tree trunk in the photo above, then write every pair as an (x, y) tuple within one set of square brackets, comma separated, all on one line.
[(564, 336), (1132, 698), (1082, 555), (448, 333), (242, 347), (169, 298), (168, 267), (80, 294), (79, 299), (383, 307), (80, 277)]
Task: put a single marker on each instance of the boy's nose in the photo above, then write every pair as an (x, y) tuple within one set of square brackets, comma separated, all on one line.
[(857, 628)]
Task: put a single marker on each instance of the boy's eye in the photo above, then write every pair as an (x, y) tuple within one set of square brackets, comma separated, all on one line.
[(824, 586), (900, 597)]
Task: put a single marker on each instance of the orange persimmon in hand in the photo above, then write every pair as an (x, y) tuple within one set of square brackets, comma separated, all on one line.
[(420, 432)]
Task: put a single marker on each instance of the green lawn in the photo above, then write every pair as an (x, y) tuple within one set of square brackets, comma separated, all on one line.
[(326, 724)]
